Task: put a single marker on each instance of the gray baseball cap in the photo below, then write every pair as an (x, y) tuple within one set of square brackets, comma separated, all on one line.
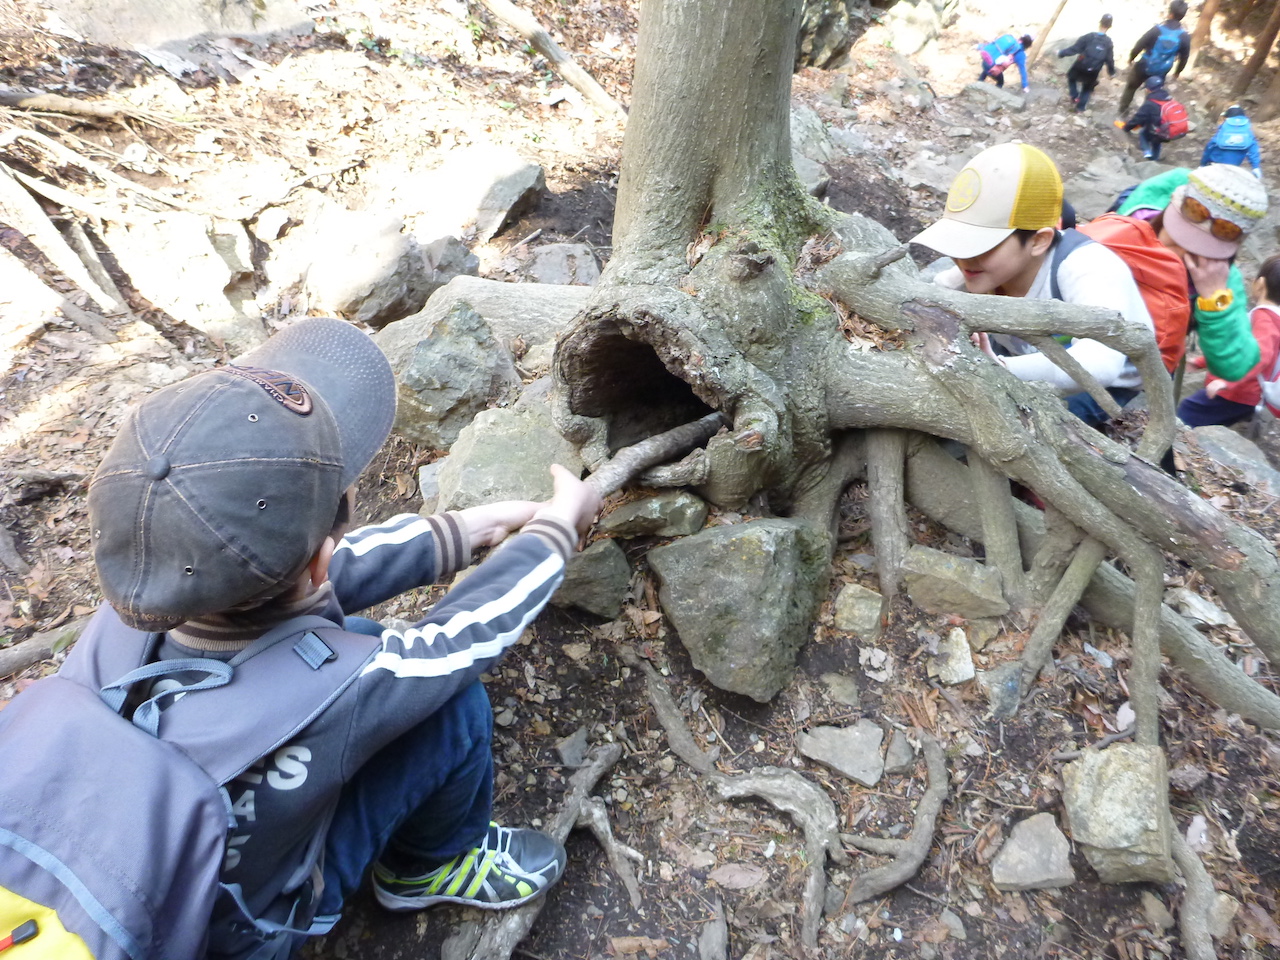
[(220, 488)]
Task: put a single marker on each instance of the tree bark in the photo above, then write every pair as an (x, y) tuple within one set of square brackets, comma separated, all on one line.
[(1269, 105), (1204, 23), (1262, 47), (1041, 40)]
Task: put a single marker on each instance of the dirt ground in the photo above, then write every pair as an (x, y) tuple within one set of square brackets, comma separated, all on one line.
[(403, 83)]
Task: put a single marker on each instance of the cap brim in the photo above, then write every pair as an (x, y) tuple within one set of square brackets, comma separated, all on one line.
[(349, 372), (1195, 239), (958, 240)]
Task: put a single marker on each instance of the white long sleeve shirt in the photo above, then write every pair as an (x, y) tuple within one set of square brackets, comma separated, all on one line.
[(1090, 274)]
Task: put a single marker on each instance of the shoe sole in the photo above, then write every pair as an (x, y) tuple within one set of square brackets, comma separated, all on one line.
[(389, 901)]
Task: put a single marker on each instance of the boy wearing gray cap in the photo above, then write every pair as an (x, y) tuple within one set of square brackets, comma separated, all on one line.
[(218, 515)]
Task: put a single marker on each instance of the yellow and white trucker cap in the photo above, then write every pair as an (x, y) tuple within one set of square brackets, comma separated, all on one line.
[(1011, 186)]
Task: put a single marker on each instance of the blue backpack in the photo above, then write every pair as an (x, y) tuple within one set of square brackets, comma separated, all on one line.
[(1236, 134), (113, 830), (1164, 51)]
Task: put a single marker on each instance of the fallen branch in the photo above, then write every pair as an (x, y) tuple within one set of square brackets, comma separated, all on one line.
[(561, 62), (53, 103), (630, 462), (908, 854), (39, 646), (886, 466), (496, 939)]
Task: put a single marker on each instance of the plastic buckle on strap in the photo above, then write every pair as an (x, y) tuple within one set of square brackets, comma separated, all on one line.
[(314, 652)]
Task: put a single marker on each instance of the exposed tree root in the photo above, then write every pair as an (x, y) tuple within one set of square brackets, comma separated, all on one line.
[(629, 462), (39, 646), (886, 466), (1197, 901), (1039, 648), (907, 854), (496, 938), (785, 790), (1000, 529), (595, 818)]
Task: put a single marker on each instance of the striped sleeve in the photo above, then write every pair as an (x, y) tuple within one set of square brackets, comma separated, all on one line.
[(378, 562)]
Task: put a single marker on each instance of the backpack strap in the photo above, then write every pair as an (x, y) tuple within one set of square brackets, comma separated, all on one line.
[(1068, 241)]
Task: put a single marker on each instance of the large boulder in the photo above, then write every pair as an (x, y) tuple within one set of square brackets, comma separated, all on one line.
[(453, 373), (530, 312), (174, 261), (505, 454), (477, 190), (742, 599), (1117, 806), (1227, 447), (827, 31)]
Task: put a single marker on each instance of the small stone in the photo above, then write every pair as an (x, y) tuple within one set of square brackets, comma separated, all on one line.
[(1221, 913), (982, 632), (1035, 857), (1187, 776), (954, 661), (843, 689), (573, 748), (901, 756), (666, 764), (953, 924), (1156, 913), (858, 610), (1002, 687), (853, 751), (505, 718)]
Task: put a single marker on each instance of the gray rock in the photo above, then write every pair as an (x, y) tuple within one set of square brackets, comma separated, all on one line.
[(960, 132), (429, 486), (858, 610), (595, 580), (827, 31), (926, 169), (812, 175), (674, 513), (1001, 685), (1222, 912), (173, 262), (573, 748), (935, 267), (1230, 449), (446, 258), (852, 751), (1198, 609), (991, 97), (360, 265), (954, 924), (900, 756), (953, 662), (560, 263), (1094, 189), (940, 583), (533, 313), (809, 136), (457, 370), (742, 599), (505, 454), (1117, 807), (844, 689), (912, 25), (1035, 857), (850, 141)]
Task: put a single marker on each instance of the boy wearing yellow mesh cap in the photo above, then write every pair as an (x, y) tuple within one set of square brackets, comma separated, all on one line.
[(1000, 228)]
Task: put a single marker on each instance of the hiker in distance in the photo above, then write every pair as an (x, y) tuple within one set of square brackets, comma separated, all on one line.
[(1234, 142), (1093, 51), (1156, 53), (1000, 54), (1159, 120), (220, 521)]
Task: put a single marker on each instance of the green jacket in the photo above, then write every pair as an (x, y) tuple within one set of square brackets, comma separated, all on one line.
[(1226, 337)]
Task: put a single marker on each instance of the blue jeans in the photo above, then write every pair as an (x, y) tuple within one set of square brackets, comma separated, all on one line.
[(428, 793), (1149, 144), (1087, 408)]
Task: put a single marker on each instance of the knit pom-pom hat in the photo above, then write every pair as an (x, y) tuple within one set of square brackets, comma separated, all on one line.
[(1228, 193)]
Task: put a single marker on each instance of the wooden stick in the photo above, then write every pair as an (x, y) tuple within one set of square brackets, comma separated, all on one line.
[(540, 40), (53, 103), (630, 462), (1044, 34)]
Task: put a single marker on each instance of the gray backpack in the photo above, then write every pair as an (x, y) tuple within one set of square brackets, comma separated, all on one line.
[(113, 830)]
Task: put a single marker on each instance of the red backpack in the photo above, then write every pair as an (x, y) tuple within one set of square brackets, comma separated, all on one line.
[(1160, 274), (1173, 121)]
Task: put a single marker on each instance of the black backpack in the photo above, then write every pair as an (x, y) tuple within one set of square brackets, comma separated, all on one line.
[(1096, 50)]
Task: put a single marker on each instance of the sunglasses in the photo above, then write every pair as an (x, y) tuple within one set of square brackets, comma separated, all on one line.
[(1197, 212)]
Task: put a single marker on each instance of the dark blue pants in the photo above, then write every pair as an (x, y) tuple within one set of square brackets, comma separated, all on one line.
[(1150, 145), (1201, 410), (1080, 84), (429, 793)]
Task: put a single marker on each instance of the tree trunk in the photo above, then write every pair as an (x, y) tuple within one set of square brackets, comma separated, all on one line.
[(1269, 105), (1041, 40), (1262, 47), (1208, 10)]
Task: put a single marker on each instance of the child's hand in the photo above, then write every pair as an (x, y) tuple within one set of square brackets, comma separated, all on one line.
[(1213, 388), (489, 525), (574, 501), (1118, 124)]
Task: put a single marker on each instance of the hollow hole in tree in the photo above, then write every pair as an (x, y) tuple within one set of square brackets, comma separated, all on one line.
[(626, 383)]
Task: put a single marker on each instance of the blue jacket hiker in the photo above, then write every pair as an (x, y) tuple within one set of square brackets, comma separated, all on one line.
[(1234, 143), (219, 521), (1164, 47), (1001, 53)]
